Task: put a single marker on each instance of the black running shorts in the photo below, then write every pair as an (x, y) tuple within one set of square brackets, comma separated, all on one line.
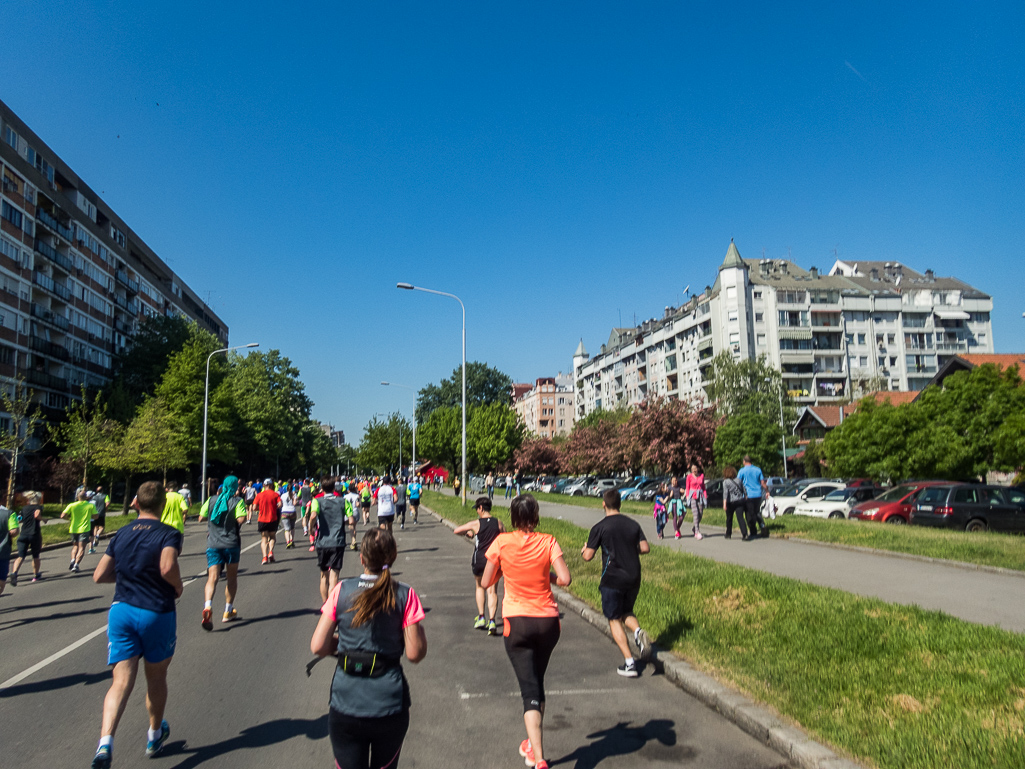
[(330, 558)]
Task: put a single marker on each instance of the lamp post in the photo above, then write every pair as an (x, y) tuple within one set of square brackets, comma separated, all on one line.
[(406, 387), (782, 429), (206, 405), (411, 287)]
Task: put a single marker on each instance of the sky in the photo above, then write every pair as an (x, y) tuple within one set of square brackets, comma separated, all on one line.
[(561, 167)]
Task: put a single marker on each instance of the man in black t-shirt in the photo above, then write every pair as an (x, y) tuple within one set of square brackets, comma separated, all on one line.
[(622, 542), (142, 562)]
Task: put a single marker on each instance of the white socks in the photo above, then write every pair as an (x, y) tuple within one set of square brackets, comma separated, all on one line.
[(153, 734), (629, 660), (227, 608), (106, 740), (208, 605)]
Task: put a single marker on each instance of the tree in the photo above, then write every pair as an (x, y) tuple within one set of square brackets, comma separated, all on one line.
[(65, 475), (440, 437), (379, 448), (753, 434), (538, 455), (672, 435), (121, 452), (24, 419), (140, 368), (80, 433), (484, 385), (619, 415), (158, 438), (747, 385), (493, 433)]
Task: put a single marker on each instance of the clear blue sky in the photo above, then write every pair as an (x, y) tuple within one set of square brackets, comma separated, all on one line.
[(554, 164)]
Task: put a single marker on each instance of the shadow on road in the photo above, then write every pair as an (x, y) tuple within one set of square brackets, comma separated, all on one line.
[(51, 684), (225, 627), (13, 623), (260, 736), (623, 739), (47, 605)]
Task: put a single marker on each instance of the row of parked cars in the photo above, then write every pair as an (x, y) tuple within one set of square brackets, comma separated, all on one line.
[(944, 504)]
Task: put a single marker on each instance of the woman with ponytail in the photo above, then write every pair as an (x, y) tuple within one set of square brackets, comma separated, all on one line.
[(377, 619)]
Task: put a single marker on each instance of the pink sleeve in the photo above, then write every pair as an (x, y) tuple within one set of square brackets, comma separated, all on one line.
[(414, 609), (330, 606)]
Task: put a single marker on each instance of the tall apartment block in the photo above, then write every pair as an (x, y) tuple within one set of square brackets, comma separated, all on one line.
[(862, 327), (74, 279), (546, 407)]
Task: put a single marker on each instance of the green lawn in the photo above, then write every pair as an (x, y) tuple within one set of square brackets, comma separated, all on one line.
[(985, 549), (894, 685), (58, 532)]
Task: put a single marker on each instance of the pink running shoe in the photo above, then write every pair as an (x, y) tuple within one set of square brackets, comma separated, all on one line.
[(528, 753)]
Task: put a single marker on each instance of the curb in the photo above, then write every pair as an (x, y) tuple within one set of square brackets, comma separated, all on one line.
[(752, 717)]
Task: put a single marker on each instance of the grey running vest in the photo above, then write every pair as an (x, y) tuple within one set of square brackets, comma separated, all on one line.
[(330, 522)]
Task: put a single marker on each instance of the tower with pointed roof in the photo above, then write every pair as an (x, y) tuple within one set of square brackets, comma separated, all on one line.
[(732, 286)]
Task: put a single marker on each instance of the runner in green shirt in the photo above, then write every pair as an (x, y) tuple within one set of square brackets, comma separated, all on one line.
[(80, 513)]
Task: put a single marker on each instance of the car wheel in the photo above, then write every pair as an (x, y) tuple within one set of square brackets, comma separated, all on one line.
[(895, 519), (788, 511), (976, 524), (836, 514), (577, 494)]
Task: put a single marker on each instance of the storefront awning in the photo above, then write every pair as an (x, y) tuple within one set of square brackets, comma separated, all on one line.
[(951, 314)]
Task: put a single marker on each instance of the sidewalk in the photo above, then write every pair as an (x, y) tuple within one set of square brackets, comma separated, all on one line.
[(975, 596)]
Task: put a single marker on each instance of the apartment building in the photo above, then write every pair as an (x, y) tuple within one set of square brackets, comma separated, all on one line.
[(546, 409), (862, 327), (75, 280)]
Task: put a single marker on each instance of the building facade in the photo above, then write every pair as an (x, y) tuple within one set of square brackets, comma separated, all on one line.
[(546, 409), (75, 280), (862, 327)]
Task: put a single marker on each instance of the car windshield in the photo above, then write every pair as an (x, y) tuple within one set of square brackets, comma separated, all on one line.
[(839, 495), (895, 494)]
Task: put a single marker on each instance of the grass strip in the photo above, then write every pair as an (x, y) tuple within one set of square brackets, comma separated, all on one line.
[(984, 549), (899, 686), (56, 533)]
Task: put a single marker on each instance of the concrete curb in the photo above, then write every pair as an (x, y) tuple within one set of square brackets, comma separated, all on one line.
[(752, 717)]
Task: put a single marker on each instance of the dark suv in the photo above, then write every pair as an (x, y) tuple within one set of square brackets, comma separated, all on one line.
[(970, 506)]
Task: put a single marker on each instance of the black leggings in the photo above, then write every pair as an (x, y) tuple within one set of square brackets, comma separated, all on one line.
[(529, 644), (367, 743), (400, 514)]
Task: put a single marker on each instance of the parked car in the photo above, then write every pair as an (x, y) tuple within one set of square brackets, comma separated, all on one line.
[(578, 487), (602, 485), (546, 484), (837, 503), (892, 506), (776, 484), (646, 491), (630, 486), (561, 485), (970, 506), (713, 489), (791, 497)]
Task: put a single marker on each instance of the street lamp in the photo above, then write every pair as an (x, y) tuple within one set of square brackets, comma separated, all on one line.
[(206, 405), (411, 287), (782, 429), (413, 390)]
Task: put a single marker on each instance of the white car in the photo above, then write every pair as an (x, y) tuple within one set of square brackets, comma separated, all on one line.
[(813, 492), (836, 504)]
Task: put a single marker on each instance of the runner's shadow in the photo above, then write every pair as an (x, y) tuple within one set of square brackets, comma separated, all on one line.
[(675, 632), (226, 626), (260, 736), (52, 684), (623, 739), (46, 605), (268, 571), (11, 624), (419, 549)]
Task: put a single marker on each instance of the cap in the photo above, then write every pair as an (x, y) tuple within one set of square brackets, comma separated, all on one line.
[(268, 481)]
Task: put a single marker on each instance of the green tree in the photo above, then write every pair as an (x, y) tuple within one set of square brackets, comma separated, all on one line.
[(121, 453), (379, 449), (156, 435), (140, 368), (484, 385), (493, 433), (439, 437), (81, 432), (24, 419), (617, 416), (753, 434), (747, 385)]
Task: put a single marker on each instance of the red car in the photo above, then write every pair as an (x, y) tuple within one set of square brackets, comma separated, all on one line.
[(893, 505)]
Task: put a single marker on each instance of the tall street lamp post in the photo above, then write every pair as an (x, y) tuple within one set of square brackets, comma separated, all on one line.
[(206, 405), (406, 387), (782, 429), (411, 287)]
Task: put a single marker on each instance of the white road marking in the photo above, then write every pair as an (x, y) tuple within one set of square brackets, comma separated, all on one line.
[(81, 642), (554, 693)]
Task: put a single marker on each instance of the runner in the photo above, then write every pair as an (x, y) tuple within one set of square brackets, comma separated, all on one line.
[(351, 508), (483, 531), (366, 499), (377, 619), (186, 494), (30, 536), (530, 614), (288, 517), (400, 502), (327, 513), (142, 562), (413, 491), (100, 501), (305, 497), (268, 506), (385, 496), (223, 547), (8, 529), (174, 509), (622, 542), (80, 514), (250, 497)]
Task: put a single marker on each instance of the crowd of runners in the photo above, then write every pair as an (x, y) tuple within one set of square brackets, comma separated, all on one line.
[(367, 622)]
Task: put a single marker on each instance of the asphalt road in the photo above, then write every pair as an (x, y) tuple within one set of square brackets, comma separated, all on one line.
[(240, 695), (986, 598)]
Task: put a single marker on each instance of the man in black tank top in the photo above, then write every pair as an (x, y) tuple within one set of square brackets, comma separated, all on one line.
[(483, 532)]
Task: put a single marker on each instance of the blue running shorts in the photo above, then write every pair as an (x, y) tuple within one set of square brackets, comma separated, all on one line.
[(215, 556), (134, 632)]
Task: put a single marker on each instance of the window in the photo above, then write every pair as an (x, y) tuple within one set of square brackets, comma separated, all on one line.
[(759, 317), (790, 297), (11, 214), (45, 168), (117, 236), (760, 338), (735, 338), (889, 338), (732, 316), (793, 318), (882, 361), (11, 137), (861, 339), (863, 361), (756, 294), (850, 340), (731, 292), (893, 361)]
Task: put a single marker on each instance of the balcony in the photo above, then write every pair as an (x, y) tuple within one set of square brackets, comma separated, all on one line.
[(960, 345), (128, 329), (48, 316), (42, 379), (51, 223), (54, 255), (48, 284), (122, 277), (48, 348), (121, 302)]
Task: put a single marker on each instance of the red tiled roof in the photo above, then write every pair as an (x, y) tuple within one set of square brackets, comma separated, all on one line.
[(893, 397), (1002, 361), (830, 415)]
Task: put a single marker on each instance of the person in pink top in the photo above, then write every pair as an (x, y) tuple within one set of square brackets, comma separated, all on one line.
[(696, 496)]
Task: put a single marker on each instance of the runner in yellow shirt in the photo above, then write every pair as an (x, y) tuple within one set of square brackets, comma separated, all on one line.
[(80, 513), (174, 509)]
